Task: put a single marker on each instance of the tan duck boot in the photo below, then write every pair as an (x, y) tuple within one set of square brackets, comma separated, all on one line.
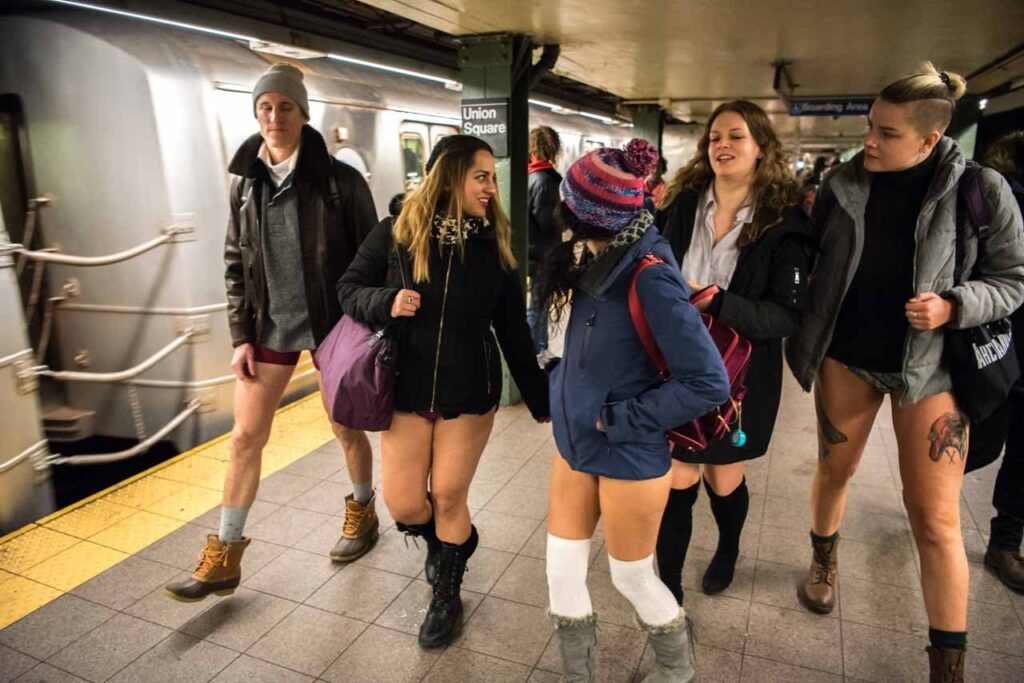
[(946, 666), (219, 571), (360, 531), (818, 592)]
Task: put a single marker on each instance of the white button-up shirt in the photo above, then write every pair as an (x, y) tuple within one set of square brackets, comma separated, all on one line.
[(709, 263)]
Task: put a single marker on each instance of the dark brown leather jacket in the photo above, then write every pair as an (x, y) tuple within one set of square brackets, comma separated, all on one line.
[(336, 213)]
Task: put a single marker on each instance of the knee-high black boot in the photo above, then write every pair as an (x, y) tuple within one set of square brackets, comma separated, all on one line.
[(443, 622), (428, 532), (674, 537), (730, 513)]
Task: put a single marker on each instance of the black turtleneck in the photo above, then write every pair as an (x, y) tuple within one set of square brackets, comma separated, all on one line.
[(872, 326)]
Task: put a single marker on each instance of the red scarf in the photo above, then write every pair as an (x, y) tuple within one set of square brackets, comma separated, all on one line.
[(538, 165)]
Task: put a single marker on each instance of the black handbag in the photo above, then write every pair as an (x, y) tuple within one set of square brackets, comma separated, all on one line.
[(981, 360)]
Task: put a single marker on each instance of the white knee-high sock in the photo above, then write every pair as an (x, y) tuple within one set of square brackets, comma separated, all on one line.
[(567, 563), (638, 583)]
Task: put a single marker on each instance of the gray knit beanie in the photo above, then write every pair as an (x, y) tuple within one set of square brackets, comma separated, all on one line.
[(283, 79)]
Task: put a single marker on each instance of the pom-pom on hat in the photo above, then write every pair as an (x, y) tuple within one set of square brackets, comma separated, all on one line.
[(605, 188)]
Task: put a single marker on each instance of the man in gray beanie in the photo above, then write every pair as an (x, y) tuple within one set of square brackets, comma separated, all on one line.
[(286, 80), (297, 219)]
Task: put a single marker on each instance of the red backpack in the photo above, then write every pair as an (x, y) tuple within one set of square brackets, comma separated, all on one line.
[(725, 421)]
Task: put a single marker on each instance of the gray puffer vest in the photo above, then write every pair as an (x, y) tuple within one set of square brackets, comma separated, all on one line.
[(837, 224)]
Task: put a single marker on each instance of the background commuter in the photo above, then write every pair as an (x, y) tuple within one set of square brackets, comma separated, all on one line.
[(445, 269), (731, 216), (1006, 155), (545, 147), (610, 409), (297, 217), (654, 184), (881, 293)]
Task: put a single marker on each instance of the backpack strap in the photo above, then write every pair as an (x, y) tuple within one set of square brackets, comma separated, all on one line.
[(636, 312), (971, 205), (333, 193)]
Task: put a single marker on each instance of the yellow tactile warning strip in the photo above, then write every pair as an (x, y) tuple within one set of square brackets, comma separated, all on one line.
[(42, 561)]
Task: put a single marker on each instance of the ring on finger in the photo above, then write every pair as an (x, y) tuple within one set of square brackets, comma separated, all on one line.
[(409, 299)]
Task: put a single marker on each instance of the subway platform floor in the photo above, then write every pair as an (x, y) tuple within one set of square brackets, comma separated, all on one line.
[(81, 594)]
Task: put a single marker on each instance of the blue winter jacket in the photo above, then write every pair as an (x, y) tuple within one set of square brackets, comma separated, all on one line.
[(606, 374)]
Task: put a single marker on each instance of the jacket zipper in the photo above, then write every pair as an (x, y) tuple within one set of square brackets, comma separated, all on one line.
[(487, 366), (440, 331), (586, 340)]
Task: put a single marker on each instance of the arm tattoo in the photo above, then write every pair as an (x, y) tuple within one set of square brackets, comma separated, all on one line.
[(948, 436), (829, 435)]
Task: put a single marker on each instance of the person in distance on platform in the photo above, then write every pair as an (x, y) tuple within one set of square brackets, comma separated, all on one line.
[(297, 217), (733, 220), (611, 409), (543, 181), (445, 268), (1006, 155), (882, 292)]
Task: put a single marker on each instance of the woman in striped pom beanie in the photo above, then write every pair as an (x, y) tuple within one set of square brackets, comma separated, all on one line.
[(610, 409)]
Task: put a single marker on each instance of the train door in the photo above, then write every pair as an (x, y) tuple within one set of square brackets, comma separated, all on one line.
[(350, 156)]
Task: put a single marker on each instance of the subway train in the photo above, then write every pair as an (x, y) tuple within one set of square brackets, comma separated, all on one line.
[(115, 136)]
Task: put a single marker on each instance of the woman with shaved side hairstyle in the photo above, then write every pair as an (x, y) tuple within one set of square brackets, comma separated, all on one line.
[(882, 294)]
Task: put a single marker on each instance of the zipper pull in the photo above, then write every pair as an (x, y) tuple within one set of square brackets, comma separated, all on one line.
[(591, 319)]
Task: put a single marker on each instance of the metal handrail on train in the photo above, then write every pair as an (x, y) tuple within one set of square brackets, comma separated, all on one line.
[(123, 375), (169, 235), (141, 447)]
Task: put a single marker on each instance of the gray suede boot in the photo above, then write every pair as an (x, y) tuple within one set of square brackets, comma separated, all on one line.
[(577, 639), (673, 651)]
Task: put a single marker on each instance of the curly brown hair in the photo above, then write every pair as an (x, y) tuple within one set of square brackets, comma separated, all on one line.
[(774, 187), (545, 143)]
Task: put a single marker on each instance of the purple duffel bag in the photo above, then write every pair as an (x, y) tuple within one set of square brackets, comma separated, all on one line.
[(357, 371)]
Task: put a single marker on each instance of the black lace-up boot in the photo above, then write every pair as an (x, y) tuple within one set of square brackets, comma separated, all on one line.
[(443, 622), (428, 532)]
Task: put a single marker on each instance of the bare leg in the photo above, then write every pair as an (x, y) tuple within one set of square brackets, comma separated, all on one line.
[(405, 465), (255, 403), (932, 438), (846, 406), (458, 445)]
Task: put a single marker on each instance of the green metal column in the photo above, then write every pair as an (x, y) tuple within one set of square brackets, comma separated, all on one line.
[(648, 123), (495, 68)]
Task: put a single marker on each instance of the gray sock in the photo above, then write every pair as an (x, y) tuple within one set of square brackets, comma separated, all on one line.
[(232, 522), (362, 492)]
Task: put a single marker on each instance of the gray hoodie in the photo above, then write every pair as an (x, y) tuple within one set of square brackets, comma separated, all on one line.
[(837, 224)]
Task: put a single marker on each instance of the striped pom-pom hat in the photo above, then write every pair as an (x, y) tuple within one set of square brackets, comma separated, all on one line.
[(605, 188)]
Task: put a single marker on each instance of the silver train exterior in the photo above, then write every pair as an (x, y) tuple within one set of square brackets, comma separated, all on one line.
[(131, 127)]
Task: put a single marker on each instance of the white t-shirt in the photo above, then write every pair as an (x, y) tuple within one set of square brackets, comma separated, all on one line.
[(706, 262), (278, 172)]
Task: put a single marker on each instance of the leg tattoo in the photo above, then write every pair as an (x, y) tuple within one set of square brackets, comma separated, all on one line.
[(948, 437), (830, 436)]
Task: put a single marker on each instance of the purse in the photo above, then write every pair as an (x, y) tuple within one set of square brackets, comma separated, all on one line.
[(725, 421), (981, 360), (357, 371)]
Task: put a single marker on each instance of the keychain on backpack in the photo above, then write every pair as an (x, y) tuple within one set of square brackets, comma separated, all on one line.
[(739, 437)]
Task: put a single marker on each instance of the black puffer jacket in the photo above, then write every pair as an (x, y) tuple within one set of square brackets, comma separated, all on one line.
[(448, 361), (336, 212), (764, 302)]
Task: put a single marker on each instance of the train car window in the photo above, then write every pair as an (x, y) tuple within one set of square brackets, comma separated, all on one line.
[(350, 156), (590, 144), (413, 159)]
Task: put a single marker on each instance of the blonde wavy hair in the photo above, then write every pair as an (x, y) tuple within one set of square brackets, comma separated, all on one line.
[(441, 192), (774, 187)]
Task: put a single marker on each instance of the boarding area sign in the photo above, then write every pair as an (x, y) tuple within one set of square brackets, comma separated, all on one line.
[(828, 106), (487, 120)]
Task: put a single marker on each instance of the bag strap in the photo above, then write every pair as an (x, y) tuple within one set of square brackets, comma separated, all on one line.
[(971, 205), (334, 194), (636, 312)]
